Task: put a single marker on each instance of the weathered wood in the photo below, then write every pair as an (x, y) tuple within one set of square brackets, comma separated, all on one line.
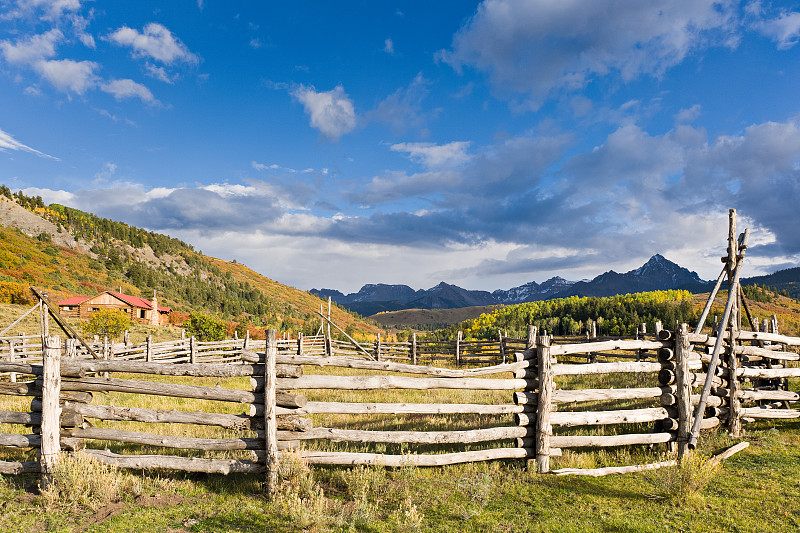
[(771, 337), (766, 353), (167, 441), (9, 468), (221, 370), (768, 373), (597, 472), (319, 381), (734, 271), (727, 453), (759, 412), (166, 462), (605, 368), (582, 441), (179, 391), (154, 416), (591, 418), (683, 389), (411, 437), (15, 440), (363, 364), (51, 411), (294, 423), (36, 370), (409, 408), (270, 422), (543, 426), (753, 394), (344, 458), (606, 346), (586, 395)]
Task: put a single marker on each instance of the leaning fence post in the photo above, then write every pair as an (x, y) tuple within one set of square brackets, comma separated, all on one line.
[(270, 422), (543, 427), (683, 393), (51, 412)]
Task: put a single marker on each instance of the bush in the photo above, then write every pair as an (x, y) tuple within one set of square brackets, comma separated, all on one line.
[(205, 327), (107, 323), (79, 482)]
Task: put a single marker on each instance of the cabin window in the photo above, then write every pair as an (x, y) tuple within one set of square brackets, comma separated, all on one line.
[(141, 313), (94, 309)]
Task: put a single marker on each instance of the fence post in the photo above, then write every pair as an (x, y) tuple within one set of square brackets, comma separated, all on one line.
[(51, 412), (543, 427), (735, 413), (13, 375), (106, 353), (192, 350), (502, 349), (530, 342), (414, 348), (683, 393), (299, 343), (148, 356), (246, 342), (270, 422), (458, 349), (378, 347)]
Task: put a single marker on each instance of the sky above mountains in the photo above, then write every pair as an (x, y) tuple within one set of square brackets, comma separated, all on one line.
[(487, 144)]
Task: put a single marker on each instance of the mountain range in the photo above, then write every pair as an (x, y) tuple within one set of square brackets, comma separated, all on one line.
[(658, 273)]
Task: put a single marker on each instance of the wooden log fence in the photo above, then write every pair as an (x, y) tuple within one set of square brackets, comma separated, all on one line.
[(552, 405)]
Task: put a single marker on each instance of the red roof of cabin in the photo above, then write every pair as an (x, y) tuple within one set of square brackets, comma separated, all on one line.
[(133, 301), (75, 300)]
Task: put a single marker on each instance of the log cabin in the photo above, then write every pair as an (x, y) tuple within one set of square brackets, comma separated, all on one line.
[(138, 309)]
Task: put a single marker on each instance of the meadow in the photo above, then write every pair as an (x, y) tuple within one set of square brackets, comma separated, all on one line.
[(754, 490)]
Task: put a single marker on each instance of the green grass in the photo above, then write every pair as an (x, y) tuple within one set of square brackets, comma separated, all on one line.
[(755, 490)]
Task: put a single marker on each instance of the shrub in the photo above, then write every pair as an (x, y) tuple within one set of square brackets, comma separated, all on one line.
[(79, 481), (683, 482), (205, 327), (107, 323)]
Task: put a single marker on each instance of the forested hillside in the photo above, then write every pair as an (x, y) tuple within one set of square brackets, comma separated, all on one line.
[(110, 255), (615, 315)]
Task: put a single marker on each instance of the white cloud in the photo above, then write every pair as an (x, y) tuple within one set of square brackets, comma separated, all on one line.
[(105, 174), (32, 49), (540, 47), (784, 30), (689, 115), (69, 75), (7, 142), (435, 156), (403, 108), (388, 46), (122, 89), (331, 112), (156, 42)]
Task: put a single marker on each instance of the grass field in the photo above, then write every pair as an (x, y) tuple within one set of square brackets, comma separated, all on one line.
[(755, 490)]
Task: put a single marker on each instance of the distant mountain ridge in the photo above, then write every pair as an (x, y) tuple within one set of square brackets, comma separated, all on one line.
[(658, 273)]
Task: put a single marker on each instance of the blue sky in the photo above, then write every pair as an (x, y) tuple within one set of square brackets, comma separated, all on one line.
[(488, 144)]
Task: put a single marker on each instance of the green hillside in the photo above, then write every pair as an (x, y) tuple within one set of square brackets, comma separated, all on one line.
[(615, 315), (110, 255)]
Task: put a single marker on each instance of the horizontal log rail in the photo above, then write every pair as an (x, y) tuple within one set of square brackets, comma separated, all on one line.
[(171, 462), (583, 441), (410, 437), (607, 346), (409, 408), (443, 459), (320, 381)]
